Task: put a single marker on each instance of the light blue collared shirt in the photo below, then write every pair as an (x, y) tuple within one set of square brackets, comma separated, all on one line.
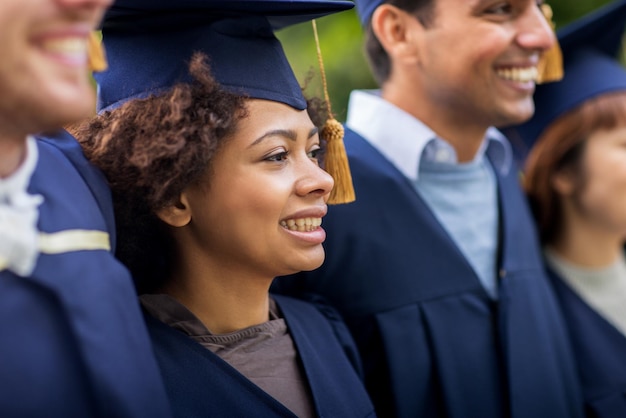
[(463, 196), (386, 128)]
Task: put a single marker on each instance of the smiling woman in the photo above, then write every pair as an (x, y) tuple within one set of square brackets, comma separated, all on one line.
[(278, 183), (241, 177), (218, 188)]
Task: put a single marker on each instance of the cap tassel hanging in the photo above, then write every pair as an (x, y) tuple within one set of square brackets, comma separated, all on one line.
[(551, 63), (336, 160), (96, 58)]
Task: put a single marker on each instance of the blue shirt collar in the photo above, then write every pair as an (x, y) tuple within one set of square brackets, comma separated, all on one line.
[(386, 128)]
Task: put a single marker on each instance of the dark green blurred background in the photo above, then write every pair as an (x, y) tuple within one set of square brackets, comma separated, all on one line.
[(341, 44)]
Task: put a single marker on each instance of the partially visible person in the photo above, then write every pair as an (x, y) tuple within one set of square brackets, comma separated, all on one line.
[(575, 177), (218, 188), (436, 266), (72, 339)]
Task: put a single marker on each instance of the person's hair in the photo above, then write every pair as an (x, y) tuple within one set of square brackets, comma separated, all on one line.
[(559, 149), (377, 57), (150, 150)]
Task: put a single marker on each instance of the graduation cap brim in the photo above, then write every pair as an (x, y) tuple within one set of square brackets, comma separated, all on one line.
[(590, 46), (280, 13)]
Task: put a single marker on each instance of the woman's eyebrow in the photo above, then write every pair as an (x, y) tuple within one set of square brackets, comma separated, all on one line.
[(285, 133)]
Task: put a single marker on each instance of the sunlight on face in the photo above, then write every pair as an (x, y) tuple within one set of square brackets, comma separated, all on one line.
[(265, 194), (489, 79)]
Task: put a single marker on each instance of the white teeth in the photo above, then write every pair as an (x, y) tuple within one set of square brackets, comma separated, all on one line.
[(74, 45), (301, 224), (522, 75)]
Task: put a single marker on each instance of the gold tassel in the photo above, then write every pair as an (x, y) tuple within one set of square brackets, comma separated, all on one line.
[(336, 163), (96, 57), (336, 160), (551, 63)]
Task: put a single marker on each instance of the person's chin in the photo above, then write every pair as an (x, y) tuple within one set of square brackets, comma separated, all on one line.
[(518, 115)]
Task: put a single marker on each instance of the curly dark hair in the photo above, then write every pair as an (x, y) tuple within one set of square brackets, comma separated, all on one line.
[(150, 150)]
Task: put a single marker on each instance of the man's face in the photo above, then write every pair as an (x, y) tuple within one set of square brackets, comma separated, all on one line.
[(478, 59), (43, 75)]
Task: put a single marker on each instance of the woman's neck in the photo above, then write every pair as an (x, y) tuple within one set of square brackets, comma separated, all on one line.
[(587, 245), (223, 299)]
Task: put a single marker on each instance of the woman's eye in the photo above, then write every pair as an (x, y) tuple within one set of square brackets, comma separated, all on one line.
[(316, 154), (279, 156)]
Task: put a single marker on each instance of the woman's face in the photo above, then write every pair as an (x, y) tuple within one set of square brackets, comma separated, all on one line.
[(259, 207), (600, 198)]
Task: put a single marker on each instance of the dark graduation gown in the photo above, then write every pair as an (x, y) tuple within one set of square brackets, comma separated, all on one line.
[(433, 343), (600, 351), (201, 384), (72, 338)]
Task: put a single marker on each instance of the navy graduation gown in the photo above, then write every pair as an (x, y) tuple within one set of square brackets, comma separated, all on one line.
[(72, 338), (600, 351), (433, 343), (201, 384)]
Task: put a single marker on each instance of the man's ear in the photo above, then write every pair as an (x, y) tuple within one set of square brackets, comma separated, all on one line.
[(396, 31), (178, 213)]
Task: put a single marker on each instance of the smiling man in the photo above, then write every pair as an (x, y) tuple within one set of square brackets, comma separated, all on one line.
[(72, 339), (436, 266)]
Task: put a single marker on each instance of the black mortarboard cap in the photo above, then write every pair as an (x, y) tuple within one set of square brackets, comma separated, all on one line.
[(149, 45)]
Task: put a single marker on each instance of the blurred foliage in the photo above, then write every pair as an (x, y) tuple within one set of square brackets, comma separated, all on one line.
[(341, 42)]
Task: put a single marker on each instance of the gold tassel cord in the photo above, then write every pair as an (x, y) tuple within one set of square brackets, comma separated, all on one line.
[(336, 161), (551, 64), (96, 57)]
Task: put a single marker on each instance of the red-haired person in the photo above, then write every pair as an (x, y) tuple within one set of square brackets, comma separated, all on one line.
[(575, 178)]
